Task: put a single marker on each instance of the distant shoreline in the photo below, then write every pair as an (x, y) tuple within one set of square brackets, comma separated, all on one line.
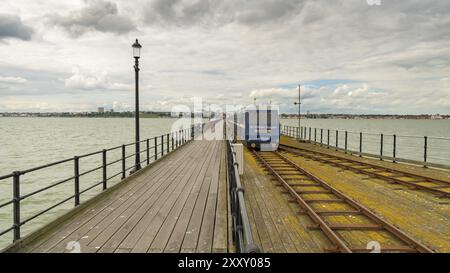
[(284, 118)]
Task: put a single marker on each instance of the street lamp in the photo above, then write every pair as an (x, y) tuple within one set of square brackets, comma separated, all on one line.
[(137, 54), (298, 103)]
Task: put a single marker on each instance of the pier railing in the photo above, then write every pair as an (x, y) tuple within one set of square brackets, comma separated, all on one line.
[(421, 150), (153, 149), (242, 233)]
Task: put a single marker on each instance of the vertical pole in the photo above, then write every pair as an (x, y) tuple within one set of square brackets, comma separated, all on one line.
[(76, 170), (123, 162), (309, 134), (321, 136), (148, 151), (337, 140), (16, 205), (328, 139), (104, 170), (162, 145), (425, 151), (168, 142), (346, 141), (360, 144), (381, 147), (299, 102), (172, 141), (315, 135), (138, 154), (394, 151), (156, 148)]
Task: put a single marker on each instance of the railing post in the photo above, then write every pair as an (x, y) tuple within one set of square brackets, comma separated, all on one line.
[(76, 169), (148, 151), (321, 136), (315, 135), (16, 205), (309, 134), (123, 162), (156, 148), (104, 170), (168, 143), (328, 139), (173, 144), (360, 144), (381, 147), (346, 141), (425, 151), (394, 147), (337, 139), (162, 145)]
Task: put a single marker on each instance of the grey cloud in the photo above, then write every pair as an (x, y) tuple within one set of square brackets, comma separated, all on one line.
[(219, 12), (11, 26), (98, 15)]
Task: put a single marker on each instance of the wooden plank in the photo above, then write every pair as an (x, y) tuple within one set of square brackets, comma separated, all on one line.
[(179, 231), (191, 238), (220, 240), (166, 230), (206, 236), (121, 227), (47, 241), (110, 213), (260, 226), (135, 236)]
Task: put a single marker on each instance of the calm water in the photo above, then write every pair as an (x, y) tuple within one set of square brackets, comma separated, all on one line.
[(31, 142), (410, 136)]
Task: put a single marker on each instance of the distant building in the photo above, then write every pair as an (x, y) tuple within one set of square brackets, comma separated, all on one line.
[(437, 116), (101, 110)]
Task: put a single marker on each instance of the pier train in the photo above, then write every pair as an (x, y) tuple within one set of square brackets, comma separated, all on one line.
[(257, 127)]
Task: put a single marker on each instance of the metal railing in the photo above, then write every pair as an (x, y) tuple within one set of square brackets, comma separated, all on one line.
[(421, 150), (162, 145), (242, 233)]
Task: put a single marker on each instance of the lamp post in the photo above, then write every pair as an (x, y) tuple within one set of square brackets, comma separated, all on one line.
[(298, 103), (137, 54)]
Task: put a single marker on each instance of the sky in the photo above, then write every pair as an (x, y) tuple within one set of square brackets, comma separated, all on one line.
[(350, 56)]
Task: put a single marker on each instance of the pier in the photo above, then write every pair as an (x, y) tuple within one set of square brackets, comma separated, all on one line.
[(304, 197)]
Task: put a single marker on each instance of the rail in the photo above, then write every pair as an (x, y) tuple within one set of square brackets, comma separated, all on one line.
[(162, 145), (420, 150), (242, 233)]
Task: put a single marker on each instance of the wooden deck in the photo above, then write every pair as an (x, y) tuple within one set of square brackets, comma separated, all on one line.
[(179, 204)]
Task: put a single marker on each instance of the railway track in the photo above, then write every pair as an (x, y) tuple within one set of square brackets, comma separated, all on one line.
[(440, 188), (335, 214)]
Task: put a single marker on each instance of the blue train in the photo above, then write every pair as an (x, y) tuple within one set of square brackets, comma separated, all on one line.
[(258, 127)]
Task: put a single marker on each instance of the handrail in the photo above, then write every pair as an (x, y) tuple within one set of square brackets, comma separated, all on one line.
[(163, 147), (422, 147), (242, 233)]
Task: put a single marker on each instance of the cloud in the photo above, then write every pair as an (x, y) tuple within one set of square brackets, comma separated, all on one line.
[(349, 56), (98, 15), (11, 26), (93, 80), (12, 80), (219, 12)]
